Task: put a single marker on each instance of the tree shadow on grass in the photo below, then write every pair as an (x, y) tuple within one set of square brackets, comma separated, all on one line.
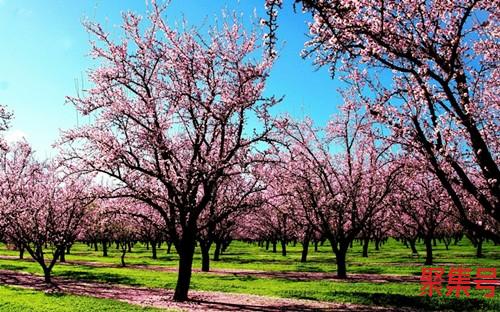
[(89, 276), (370, 270), (12, 267)]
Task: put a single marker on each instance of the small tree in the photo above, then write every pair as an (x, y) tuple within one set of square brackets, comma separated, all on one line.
[(42, 206)]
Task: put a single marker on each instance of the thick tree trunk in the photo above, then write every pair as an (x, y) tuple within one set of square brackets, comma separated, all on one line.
[(147, 245), (377, 244), (129, 246), (366, 241), (274, 246), (104, 248), (305, 250), (153, 249), (283, 248), (169, 247), (413, 247), (46, 275), (218, 246), (185, 266), (68, 250), (96, 247), (315, 245), (21, 252), (205, 257), (62, 257), (341, 263), (428, 250), (267, 245)]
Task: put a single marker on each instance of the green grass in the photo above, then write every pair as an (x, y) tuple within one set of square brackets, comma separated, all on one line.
[(19, 299), (393, 258)]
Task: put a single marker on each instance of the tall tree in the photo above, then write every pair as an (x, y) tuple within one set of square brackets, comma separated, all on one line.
[(429, 70), (171, 111)]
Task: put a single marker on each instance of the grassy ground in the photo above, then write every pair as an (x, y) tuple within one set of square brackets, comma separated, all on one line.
[(18, 299), (393, 258)]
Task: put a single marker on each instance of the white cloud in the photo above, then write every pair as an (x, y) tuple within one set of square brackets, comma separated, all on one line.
[(15, 135)]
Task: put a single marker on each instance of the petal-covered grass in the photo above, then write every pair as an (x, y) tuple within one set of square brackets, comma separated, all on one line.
[(393, 258), (20, 299)]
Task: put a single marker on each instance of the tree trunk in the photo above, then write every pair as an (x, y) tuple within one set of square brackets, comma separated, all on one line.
[(428, 250), (316, 245), (341, 263), (274, 246), (305, 249), (46, 275), (366, 241), (479, 248), (68, 250), (104, 248), (377, 244), (96, 248), (283, 248), (21, 252), (413, 247), (186, 251), (267, 245), (124, 251), (217, 251), (169, 247), (129, 245), (62, 257), (205, 257), (153, 249)]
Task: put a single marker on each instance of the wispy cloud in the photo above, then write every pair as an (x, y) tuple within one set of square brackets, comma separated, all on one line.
[(15, 135)]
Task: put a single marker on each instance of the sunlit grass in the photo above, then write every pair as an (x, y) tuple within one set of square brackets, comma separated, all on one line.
[(19, 299), (393, 258)]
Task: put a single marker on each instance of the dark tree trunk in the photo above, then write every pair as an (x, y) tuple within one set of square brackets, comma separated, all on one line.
[(21, 252), (104, 248), (124, 251), (366, 241), (377, 244), (283, 248), (305, 249), (68, 250), (428, 250), (96, 247), (479, 248), (434, 243), (147, 245), (129, 246), (413, 247), (205, 257), (186, 251), (274, 246), (315, 245), (46, 275), (169, 247), (267, 245), (62, 257), (153, 249), (218, 246), (341, 263)]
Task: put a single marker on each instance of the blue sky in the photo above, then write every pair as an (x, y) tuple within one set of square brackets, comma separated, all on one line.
[(43, 51)]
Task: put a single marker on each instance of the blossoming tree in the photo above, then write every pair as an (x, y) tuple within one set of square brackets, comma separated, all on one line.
[(171, 111)]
